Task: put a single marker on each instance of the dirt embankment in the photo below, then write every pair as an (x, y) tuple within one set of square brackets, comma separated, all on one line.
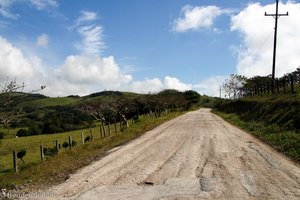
[(195, 156)]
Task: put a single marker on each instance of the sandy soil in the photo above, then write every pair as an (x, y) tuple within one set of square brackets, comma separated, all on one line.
[(194, 156)]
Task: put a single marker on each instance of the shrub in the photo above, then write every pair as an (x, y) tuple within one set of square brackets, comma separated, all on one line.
[(21, 155), (50, 151), (2, 135), (74, 143), (65, 145), (22, 133), (87, 139)]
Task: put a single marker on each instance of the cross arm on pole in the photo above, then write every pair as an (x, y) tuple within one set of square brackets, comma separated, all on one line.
[(278, 15)]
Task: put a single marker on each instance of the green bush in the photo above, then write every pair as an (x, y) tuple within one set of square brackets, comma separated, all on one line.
[(22, 133), (50, 151), (65, 145), (21, 154), (87, 139)]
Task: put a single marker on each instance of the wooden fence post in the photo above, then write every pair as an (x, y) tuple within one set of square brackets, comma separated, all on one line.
[(15, 161), (82, 137), (57, 147), (132, 121), (109, 131), (91, 132), (70, 142), (101, 132), (104, 131), (42, 152), (116, 131)]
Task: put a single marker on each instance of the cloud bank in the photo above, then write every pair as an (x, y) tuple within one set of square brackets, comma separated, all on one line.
[(254, 55)]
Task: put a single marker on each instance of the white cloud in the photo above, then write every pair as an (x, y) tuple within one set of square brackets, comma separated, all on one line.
[(198, 17), (43, 4), (255, 53), (210, 86), (93, 70), (174, 83), (92, 43), (86, 16), (156, 85), (14, 64), (5, 9), (42, 40), (5, 6), (146, 86)]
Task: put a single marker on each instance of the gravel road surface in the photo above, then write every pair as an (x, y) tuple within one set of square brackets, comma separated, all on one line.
[(195, 156)]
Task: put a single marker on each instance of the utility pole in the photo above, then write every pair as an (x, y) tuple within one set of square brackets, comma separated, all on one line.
[(276, 16), (220, 92)]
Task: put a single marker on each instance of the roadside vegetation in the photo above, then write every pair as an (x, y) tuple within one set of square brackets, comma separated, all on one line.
[(274, 117)]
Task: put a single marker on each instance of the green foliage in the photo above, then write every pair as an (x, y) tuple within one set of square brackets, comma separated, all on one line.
[(50, 151), (65, 145), (87, 138), (274, 119), (74, 143), (21, 154), (22, 133)]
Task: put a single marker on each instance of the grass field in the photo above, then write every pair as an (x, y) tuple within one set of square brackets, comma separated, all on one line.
[(32, 145), (36, 174)]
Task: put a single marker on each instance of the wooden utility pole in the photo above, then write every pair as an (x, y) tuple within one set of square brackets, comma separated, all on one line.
[(276, 16)]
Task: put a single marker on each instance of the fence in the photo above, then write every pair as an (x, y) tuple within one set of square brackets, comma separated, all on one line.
[(88, 136)]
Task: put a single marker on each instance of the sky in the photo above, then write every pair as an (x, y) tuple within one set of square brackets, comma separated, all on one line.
[(77, 47)]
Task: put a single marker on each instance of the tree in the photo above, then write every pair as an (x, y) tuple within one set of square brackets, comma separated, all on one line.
[(120, 107), (8, 112), (233, 84)]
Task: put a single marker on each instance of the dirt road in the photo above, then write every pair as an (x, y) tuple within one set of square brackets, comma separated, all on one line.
[(195, 156)]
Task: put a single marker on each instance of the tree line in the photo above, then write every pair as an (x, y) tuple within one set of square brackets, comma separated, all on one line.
[(236, 86), (102, 107)]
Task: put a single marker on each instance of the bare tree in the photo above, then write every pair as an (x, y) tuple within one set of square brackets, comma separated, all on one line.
[(120, 107), (9, 91), (97, 109), (233, 84)]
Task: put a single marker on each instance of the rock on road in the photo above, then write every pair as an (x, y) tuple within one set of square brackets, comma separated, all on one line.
[(195, 156)]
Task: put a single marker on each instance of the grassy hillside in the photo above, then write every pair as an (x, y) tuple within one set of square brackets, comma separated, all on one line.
[(275, 119)]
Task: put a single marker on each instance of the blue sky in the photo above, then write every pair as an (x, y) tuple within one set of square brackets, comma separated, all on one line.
[(84, 46)]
